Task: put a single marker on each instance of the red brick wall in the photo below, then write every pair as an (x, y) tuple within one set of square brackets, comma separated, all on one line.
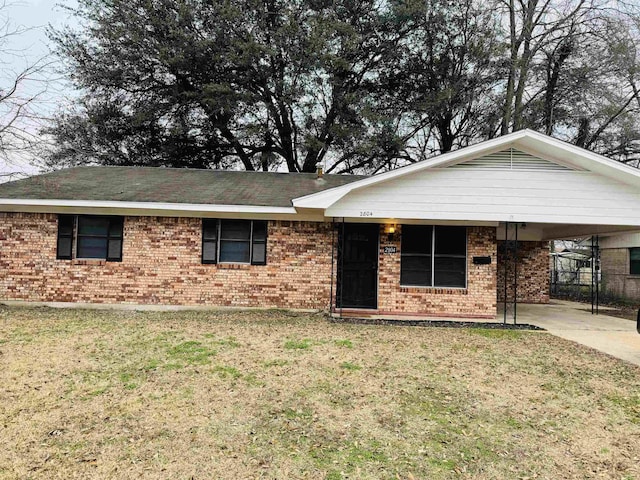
[(533, 272), (477, 300), (161, 265)]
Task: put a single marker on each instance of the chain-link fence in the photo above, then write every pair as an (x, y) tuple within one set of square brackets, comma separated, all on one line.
[(574, 284), (610, 288)]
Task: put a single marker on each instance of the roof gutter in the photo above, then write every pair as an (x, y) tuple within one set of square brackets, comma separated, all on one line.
[(133, 208)]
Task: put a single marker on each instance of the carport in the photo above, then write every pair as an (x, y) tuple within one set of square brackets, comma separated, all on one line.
[(512, 194)]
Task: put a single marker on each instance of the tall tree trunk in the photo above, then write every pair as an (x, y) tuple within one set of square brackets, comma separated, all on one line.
[(525, 62), (508, 97), (239, 149), (446, 135), (555, 62), (583, 132)]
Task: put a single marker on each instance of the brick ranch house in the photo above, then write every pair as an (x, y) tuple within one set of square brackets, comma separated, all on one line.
[(450, 236)]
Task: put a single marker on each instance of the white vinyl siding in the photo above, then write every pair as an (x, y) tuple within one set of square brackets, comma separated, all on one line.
[(500, 195)]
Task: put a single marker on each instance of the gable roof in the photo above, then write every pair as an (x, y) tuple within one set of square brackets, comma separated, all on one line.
[(527, 141), (172, 186)]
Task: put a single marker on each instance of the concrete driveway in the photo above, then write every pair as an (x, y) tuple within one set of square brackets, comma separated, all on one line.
[(616, 336)]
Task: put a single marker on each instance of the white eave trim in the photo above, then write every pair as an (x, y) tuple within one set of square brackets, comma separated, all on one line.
[(30, 204), (328, 197)]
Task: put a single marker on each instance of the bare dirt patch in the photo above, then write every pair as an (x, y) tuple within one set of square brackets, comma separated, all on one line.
[(91, 394)]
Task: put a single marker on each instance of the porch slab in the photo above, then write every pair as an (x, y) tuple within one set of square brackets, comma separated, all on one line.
[(570, 320)]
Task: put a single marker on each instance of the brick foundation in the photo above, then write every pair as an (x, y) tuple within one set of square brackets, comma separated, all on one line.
[(533, 272)]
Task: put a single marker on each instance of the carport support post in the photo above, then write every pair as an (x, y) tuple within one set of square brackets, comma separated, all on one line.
[(341, 273), (504, 269), (333, 251), (593, 272), (595, 265), (515, 278)]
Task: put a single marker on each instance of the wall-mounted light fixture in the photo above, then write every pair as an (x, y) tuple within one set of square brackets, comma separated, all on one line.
[(390, 229)]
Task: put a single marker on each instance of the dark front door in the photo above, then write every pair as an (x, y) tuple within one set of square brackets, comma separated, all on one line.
[(358, 266)]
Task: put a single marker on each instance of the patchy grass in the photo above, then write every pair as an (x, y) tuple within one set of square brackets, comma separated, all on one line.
[(304, 344), (96, 394), (496, 333), (350, 366)]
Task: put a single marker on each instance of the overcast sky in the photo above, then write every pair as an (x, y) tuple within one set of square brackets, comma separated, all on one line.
[(35, 16)]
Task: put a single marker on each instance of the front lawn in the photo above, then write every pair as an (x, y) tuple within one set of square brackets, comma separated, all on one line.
[(235, 395)]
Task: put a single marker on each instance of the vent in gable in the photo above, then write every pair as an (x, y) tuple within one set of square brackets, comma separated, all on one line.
[(511, 159)]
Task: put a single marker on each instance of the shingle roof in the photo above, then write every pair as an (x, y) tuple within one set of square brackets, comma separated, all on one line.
[(172, 185)]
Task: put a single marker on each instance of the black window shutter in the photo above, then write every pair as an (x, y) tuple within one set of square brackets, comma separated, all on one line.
[(259, 247), (209, 240), (65, 237), (114, 239)]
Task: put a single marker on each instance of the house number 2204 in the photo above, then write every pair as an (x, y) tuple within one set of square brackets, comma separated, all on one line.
[(366, 213)]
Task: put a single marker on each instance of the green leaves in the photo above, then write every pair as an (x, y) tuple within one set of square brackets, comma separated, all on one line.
[(356, 84)]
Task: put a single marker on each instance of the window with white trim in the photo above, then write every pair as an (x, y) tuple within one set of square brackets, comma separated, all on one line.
[(433, 256), (234, 241), (96, 237)]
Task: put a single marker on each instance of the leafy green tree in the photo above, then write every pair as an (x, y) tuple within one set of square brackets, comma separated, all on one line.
[(355, 84), (359, 85), (203, 83)]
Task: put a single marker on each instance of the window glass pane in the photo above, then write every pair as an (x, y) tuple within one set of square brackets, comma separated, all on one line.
[(634, 253), (93, 226), (115, 249), (115, 227), (209, 251), (64, 247), (450, 272), (209, 229), (451, 240), (415, 270), (259, 253), (231, 251), (259, 230), (92, 247), (416, 239), (235, 230), (65, 225)]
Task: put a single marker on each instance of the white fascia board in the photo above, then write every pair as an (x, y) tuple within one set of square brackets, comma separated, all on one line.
[(570, 232), (413, 221), (587, 160), (529, 139), (555, 219), (145, 208)]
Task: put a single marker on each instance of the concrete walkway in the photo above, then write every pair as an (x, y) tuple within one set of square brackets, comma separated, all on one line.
[(616, 336)]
